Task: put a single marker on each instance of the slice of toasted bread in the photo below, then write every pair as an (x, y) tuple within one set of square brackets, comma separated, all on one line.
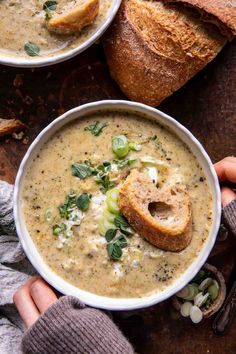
[(74, 16), (162, 216), (9, 126)]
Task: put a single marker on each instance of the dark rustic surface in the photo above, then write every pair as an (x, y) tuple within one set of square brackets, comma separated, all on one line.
[(206, 105)]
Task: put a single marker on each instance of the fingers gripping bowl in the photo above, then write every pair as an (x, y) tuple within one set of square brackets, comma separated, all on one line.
[(75, 152)]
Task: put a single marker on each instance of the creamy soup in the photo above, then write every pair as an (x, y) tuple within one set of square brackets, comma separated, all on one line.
[(68, 230), (23, 22)]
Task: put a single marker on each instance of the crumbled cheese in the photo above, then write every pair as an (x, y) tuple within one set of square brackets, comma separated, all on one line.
[(118, 271), (97, 206)]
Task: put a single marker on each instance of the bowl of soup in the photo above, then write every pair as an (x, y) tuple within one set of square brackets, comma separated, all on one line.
[(40, 33), (66, 211)]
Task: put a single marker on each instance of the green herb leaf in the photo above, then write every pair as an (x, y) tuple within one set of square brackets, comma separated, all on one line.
[(122, 224), (106, 183), (58, 229), (83, 201), (31, 49), (114, 251), (81, 171), (110, 234), (49, 6), (68, 206), (123, 163), (121, 241), (96, 128)]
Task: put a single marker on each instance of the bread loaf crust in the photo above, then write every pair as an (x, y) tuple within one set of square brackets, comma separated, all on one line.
[(146, 54), (220, 12)]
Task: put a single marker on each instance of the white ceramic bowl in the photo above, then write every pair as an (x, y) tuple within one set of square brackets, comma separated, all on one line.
[(89, 298), (37, 62)]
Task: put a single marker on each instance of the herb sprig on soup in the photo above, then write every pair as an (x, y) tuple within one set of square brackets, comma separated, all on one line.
[(73, 211), (46, 28)]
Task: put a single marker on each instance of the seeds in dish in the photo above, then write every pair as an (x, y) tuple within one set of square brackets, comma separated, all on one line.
[(72, 210), (47, 28)]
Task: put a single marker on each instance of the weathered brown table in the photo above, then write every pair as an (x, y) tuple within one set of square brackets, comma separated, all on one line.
[(206, 105)]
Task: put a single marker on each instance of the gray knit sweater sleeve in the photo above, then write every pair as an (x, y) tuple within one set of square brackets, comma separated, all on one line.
[(69, 327), (229, 216)]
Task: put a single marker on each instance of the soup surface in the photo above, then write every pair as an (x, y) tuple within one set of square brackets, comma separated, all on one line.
[(24, 22), (69, 234)]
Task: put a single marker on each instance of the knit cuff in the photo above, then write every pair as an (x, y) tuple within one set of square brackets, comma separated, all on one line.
[(70, 327), (7, 225), (229, 216)]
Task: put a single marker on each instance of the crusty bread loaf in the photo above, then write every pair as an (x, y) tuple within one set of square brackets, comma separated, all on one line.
[(220, 12), (153, 48), (163, 216), (74, 16)]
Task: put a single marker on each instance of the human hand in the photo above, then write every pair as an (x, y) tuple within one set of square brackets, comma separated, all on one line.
[(226, 171), (33, 299)]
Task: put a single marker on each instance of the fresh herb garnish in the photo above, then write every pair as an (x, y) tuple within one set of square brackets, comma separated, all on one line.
[(48, 7), (105, 182), (71, 215), (31, 49), (59, 229), (114, 248), (116, 244), (114, 251), (123, 163), (82, 170), (83, 201), (66, 209), (110, 234), (85, 170), (121, 223), (96, 128), (121, 241)]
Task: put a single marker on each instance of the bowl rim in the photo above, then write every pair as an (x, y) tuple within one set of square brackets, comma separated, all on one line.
[(63, 286), (68, 54)]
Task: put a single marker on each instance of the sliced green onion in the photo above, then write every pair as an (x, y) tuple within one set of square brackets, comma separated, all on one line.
[(200, 299), (205, 284), (188, 293), (185, 308), (112, 200), (135, 147), (108, 215), (183, 293), (120, 146), (196, 314), (105, 225), (48, 215), (213, 290)]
